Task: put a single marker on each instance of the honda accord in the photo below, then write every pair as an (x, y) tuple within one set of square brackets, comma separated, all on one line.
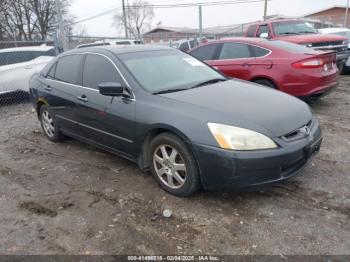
[(175, 116)]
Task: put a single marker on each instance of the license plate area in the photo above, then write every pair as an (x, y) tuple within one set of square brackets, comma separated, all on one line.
[(313, 148)]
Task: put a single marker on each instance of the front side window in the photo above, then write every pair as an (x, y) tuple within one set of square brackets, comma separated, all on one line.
[(52, 71), (158, 71), (67, 69), (206, 52), (97, 70), (235, 51)]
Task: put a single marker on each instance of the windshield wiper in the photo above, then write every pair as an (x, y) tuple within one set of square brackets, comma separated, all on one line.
[(208, 82), (288, 33), (306, 32), (211, 81), (169, 91)]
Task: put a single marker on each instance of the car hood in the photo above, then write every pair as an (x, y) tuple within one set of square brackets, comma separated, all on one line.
[(246, 105), (311, 38)]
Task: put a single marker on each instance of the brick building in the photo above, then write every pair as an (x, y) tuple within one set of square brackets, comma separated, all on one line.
[(334, 15)]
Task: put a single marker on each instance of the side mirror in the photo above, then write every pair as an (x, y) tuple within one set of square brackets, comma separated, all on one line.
[(111, 89), (264, 35)]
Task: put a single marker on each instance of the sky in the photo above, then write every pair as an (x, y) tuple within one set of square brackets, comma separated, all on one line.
[(188, 17)]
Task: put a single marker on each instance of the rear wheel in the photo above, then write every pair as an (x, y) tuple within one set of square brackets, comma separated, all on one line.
[(265, 82), (173, 165), (49, 125)]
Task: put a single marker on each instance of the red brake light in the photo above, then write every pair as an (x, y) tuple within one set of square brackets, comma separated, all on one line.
[(309, 63)]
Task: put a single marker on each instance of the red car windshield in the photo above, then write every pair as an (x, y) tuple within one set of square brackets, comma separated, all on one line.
[(293, 28)]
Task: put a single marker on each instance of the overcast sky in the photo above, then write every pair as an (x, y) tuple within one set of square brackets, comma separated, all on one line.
[(188, 17)]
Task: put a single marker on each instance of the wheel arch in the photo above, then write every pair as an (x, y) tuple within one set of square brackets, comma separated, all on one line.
[(39, 104), (156, 130), (262, 77)]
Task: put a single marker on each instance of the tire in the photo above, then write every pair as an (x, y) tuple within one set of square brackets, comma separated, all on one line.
[(49, 125), (175, 171), (265, 82)]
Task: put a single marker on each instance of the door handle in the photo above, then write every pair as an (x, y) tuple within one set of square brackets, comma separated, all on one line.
[(48, 88), (82, 98), (28, 67), (246, 65)]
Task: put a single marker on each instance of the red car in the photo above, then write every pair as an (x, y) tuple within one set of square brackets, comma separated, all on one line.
[(291, 68), (302, 33)]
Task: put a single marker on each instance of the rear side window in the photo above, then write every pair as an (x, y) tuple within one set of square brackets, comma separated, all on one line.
[(259, 51), (206, 52), (67, 69), (97, 70), (235, 51), (251, 31)]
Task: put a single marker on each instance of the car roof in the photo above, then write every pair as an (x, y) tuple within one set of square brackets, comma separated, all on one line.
[(122, 49), (334, 30), (27, 48)]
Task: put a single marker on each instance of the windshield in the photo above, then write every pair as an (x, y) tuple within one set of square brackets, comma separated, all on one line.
[(158, 71), (293, 28)]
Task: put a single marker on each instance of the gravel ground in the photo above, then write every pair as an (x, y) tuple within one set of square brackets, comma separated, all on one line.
[(70, 198)]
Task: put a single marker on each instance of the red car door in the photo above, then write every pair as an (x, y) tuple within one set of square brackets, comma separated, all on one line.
[(235, 60)]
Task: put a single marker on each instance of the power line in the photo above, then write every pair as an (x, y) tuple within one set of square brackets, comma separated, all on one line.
[(197, 4), (178, 5)]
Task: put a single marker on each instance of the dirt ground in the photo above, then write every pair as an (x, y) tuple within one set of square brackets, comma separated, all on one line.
[(70, 198)]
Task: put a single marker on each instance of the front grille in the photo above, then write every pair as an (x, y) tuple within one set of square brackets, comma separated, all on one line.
[(328, 43), (299, 133)]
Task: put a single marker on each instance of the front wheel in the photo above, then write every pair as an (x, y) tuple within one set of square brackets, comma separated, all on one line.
[(49, 125), (173, 165)]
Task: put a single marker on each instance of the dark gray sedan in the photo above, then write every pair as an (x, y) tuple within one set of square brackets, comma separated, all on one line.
[(176, 116)]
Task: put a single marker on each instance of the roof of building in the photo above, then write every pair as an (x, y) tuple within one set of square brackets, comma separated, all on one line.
[(325, 9)]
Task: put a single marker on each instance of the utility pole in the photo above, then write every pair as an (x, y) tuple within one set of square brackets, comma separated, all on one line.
[(346, 14), (265, 10), (61, 34), (124, 19), (200, 21)]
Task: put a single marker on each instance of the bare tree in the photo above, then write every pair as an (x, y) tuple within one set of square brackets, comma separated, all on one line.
[(139, 17), (30, 19)]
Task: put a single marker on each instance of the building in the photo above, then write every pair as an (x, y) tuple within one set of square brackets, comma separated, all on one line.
[(333, 15), (163, 34)]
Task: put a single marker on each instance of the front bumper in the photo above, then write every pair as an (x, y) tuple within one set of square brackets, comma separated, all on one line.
[(222, 169)]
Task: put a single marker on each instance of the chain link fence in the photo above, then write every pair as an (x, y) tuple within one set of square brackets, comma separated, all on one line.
[(19, 60)]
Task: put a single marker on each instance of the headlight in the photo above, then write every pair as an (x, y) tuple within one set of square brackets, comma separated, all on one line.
[(345, 42), (236, 138), (307, 45)]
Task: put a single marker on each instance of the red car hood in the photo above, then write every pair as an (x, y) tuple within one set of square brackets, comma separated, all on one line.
[(311, 38)]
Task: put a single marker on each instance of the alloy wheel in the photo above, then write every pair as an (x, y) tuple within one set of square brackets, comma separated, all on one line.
[(169, 166), (48, 124)]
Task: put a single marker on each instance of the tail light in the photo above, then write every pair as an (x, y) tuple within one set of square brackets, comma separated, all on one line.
[(309, 63)]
